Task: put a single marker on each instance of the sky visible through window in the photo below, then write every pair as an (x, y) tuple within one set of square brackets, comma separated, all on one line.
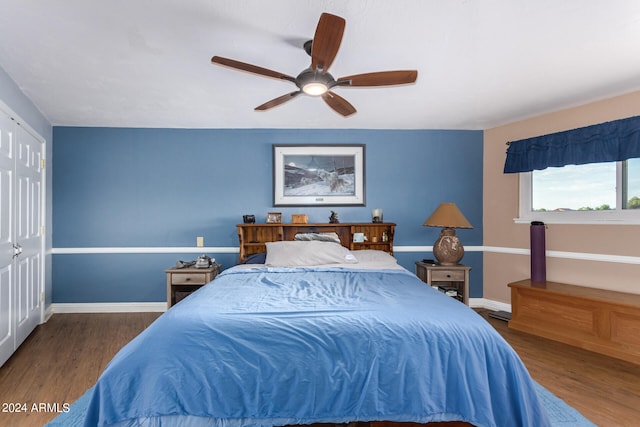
[(581, 186)]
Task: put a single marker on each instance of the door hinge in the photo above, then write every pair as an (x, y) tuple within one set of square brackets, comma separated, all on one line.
[(42, 230), (43, 163)]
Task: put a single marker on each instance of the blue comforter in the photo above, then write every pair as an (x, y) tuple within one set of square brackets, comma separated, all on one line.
[(265, 347)]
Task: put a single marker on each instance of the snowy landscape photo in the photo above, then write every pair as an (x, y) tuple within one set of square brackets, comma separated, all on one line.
[(318, 175)]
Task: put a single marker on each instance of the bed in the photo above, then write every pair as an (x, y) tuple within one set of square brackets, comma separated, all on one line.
[(299, 340)]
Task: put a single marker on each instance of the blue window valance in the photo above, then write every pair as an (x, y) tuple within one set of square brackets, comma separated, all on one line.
[(606, 142)]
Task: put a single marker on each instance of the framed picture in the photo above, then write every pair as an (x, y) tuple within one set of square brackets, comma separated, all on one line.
[(318, 175), (274, 218)]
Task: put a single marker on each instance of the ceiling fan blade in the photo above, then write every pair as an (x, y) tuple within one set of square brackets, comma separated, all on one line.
[(381, 78), (326, 41), (277, 101), (243, 66), (338, 103)]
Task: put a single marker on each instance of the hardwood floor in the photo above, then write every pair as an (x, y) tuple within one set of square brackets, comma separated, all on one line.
[(603, 389), (60, 360), (65, 356)]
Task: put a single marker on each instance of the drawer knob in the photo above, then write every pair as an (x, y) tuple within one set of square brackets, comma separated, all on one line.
[(448, 275), (187, 279)]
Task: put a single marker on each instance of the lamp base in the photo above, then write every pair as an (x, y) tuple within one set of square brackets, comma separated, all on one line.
[(448, 249)]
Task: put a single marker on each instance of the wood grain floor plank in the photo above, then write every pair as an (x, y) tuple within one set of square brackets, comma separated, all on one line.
[(61, 359)]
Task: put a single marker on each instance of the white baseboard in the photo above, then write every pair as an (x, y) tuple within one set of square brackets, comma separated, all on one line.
[(489, 304), (132, 307), (48, 312), (109, 307)]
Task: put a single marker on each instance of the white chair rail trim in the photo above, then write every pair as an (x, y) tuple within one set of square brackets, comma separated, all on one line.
[(622, 259)]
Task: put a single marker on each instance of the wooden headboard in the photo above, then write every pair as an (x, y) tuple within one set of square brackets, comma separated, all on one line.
[(252, 237)]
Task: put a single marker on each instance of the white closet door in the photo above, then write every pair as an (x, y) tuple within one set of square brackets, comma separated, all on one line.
[(7, 305), (29, 233), (21, 235)]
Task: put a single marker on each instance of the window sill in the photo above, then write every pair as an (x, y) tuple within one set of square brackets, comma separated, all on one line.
[(577, 218)]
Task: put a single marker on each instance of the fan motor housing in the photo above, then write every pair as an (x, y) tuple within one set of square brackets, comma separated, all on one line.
[(308, 78)]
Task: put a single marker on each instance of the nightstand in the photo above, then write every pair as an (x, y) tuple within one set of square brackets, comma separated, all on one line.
[(183, 281), (451, 279)]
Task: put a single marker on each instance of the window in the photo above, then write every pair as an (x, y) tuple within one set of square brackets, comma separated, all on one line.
[(631, 180), (582, 194)]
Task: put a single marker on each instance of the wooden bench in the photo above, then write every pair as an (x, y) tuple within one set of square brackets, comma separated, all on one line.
[(602, 321)]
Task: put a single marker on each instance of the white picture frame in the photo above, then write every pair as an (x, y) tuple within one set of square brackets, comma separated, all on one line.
[(319, 175)]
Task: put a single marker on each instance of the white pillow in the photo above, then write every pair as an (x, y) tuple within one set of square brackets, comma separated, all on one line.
[(374, 256), (300, 253)]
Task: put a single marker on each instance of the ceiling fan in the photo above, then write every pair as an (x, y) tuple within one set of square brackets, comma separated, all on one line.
[(316, 80)]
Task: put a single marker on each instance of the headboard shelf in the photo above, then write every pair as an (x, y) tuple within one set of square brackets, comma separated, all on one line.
[(252, 237)]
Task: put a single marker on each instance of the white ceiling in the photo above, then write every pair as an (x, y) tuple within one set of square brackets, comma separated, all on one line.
[(481, 63)]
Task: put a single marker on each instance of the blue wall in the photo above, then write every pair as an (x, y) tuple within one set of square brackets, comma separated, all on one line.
[(122, 187)]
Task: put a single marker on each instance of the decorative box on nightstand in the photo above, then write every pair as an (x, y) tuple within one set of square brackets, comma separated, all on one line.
[(450, 279), (183, 281)]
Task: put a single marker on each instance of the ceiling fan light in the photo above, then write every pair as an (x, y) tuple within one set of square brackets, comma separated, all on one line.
[(315, 88)]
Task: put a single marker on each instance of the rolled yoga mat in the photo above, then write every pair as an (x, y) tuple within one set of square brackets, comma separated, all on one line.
[(538, 249)]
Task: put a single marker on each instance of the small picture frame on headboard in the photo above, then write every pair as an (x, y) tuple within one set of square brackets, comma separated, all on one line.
[(274, 218), (358, 237)]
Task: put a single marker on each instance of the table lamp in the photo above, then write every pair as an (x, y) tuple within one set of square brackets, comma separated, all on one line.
[(448, 249)]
